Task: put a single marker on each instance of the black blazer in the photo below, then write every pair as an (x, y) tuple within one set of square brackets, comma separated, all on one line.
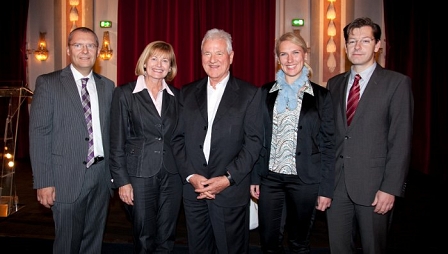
[(140, 137), (315, 139), (235, 141)]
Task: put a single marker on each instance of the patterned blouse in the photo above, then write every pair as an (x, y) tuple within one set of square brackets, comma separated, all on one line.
[(284, 135)]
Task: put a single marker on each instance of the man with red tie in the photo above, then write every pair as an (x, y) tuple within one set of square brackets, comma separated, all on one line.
[(373, 143)]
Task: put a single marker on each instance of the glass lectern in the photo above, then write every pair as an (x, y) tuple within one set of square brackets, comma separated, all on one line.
[(11, 100)]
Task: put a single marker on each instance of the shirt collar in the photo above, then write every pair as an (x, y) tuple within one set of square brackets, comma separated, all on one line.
[(306, 88), (78, 75), (223, 82), (365, 74), (141, 85)]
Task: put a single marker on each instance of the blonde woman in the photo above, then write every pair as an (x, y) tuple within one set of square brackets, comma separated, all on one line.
[(295, 170)]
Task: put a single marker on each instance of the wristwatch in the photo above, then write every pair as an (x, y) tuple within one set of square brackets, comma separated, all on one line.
[(229, 177)]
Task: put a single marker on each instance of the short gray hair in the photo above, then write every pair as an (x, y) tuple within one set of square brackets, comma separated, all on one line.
[(218, 34)]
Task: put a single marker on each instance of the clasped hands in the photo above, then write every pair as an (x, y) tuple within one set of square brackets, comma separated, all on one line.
[(208, 188)]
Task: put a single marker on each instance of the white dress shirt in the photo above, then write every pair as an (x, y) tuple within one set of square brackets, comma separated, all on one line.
[(96, 125), (214, 96)]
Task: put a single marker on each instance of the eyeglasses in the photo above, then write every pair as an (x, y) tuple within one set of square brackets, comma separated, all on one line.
[(363, 41), (80, 46)]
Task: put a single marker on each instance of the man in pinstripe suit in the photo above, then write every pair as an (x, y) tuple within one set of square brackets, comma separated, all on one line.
[(77, 193)]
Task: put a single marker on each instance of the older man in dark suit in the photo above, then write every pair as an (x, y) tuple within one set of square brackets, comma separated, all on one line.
[(373, 150), (216, 144), (70, 173)]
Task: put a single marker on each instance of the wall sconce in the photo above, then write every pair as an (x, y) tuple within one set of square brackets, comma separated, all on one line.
[(73, 17), (331, 31), (73, 2), (41, 53), (106, 52)]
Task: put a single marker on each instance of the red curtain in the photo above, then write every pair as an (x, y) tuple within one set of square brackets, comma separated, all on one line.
[(413, 50), (183, 23)]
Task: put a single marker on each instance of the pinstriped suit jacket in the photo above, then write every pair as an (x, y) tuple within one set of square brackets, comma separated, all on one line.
[(59, 136)]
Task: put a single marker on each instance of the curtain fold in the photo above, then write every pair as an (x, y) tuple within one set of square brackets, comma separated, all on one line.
[(413, 50), (183, 24)]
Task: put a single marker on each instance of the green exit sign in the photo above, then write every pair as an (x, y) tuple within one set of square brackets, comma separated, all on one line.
[(298, 22), (105, 24)]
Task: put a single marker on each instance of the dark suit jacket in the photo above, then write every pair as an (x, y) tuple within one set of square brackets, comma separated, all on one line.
[(315, 139), (235, 141), (59, 136), (375, 150), (140, 137)]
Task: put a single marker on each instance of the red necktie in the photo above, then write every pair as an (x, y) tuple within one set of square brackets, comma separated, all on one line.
[(353, 99)]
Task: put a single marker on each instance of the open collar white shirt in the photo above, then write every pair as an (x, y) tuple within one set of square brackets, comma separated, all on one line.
[(214, 96)]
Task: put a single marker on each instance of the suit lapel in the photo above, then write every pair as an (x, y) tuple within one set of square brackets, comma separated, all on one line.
[(100, 89), (343, 98), (228, 98), (166, 102), (146, 101), (270, 102), (201, 98), (69, 84), (308, 102), (371, 90)]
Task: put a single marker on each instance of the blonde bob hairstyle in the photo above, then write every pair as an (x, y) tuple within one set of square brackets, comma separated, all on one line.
[(157, 48)]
